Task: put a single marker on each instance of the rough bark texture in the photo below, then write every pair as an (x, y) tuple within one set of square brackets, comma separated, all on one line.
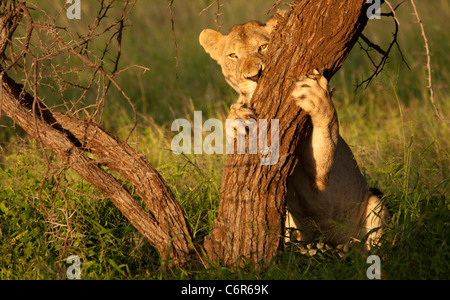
[(313, 35)]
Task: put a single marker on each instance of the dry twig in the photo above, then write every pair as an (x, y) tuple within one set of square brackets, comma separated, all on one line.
[(429, 71), (385, 53), (218, 14), (172, 20)]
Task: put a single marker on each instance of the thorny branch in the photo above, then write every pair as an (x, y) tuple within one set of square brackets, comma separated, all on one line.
[(427, 49), (218, 14), (172, 20)]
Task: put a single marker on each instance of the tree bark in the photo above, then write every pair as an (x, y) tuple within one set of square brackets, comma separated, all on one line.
[(313, 35)]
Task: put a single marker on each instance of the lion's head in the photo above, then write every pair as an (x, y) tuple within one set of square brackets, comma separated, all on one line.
[(240, 53)]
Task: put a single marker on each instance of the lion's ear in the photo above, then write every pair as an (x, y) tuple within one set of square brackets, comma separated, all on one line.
[(213, 42), (273, 21)]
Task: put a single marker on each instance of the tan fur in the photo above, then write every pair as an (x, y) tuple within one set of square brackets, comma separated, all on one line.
[(327, 193), (242, 72)]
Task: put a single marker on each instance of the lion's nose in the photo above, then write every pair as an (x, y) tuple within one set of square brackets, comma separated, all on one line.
[(255, 77)]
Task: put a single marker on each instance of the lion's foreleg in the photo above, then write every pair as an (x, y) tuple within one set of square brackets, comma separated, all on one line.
[(313, 95)]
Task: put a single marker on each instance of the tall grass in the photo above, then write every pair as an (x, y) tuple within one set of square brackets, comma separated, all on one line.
[(401, 147)]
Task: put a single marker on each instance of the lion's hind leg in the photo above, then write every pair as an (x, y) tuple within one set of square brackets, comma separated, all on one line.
[(375, 216)]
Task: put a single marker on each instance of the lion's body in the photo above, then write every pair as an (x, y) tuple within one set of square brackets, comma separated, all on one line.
[(327, 193)]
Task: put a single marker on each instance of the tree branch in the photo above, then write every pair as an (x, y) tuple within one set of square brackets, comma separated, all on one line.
[(428, 64), (373, 45), (163, 225)]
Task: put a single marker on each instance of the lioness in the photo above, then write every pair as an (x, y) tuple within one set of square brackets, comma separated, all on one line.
[(327, 193)]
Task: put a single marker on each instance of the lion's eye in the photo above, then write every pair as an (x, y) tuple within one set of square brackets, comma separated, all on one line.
[(232, 55), (263, 47)]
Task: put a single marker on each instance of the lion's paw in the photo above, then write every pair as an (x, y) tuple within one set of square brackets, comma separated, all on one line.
[(241, 111), (313, 95)]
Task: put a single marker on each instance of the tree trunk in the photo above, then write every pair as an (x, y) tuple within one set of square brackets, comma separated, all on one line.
[(313, 35)]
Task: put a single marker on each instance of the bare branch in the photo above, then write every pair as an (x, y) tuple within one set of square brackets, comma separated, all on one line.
[(430, 80), (273, 7), (174, 36), (380, 66), (218, 14), (373, 45)]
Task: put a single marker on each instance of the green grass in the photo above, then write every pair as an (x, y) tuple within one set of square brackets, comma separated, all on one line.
[(401, 147)]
